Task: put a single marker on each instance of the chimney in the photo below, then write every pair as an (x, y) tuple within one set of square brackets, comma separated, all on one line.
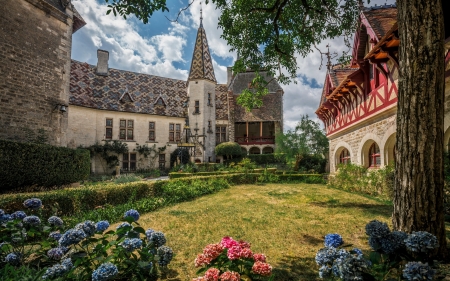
[(102, 62)]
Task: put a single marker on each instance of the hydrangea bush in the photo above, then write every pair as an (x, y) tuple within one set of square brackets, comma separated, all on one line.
[(232, 260), (86, 252), (395, 254)]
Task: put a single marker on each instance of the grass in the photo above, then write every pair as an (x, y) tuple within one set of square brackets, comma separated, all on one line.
[(287, 222)]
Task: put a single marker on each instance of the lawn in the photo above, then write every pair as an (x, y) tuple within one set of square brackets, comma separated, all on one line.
[(287, 222)]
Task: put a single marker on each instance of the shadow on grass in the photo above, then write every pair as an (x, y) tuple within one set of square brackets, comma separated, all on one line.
[(311, 240), (373, 209), (294, 268)]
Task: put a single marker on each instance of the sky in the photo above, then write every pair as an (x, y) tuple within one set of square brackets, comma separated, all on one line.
[(165, 48)]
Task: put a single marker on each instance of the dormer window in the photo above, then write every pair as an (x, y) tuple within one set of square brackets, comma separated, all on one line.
[(160, 102)]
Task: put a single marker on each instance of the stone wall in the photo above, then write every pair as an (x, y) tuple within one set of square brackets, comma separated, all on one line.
[(35, 49)]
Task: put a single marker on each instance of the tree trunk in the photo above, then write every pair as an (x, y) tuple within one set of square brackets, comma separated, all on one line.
[(419, 183)]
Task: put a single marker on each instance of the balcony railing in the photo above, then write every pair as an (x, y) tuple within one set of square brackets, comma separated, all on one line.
[(255, 140)]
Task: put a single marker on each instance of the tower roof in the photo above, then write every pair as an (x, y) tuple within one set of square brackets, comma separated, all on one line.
[(201, 65)]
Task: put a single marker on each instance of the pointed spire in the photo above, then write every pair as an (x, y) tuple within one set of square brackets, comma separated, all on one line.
[(361, 5), (201, 65), (201, 14)]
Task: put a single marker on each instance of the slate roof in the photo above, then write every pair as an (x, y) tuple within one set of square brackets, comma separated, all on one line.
[(381, 18), (270, 111), (339, 74), (221, 102), (201, 65), (88, 89)]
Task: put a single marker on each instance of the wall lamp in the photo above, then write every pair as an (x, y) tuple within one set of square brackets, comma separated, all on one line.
[(61, 108)]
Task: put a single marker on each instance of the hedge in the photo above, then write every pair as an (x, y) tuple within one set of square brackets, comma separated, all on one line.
[(267, 158), (304, 178), (27, 164)]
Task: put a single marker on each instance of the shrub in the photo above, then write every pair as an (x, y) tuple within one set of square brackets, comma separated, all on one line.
[(228, 149), (181, 155), (127, 178), (27, 164), (264, 159), (313, 162), (303, 178)]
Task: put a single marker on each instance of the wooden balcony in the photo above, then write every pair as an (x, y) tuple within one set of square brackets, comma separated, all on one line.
[(255, 140)]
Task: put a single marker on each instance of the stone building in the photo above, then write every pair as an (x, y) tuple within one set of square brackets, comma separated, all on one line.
[(142, 109), (35, 50), (359, 102)]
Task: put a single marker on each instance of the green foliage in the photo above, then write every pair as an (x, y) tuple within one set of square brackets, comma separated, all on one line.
[(252, 98), (109, 151), (21, 273), (379, 182), (228, 149), (127, 178), (180, 155), (264, 159), (306, 139), (149, 154), (268, 177), (313, 163), (142, 9), (27, 164)]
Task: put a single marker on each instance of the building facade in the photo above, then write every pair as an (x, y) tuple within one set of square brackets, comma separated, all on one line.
[(359, 102), (139, 109)]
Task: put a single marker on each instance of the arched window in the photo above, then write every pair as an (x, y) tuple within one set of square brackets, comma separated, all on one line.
[(344, 157), (374, 156)]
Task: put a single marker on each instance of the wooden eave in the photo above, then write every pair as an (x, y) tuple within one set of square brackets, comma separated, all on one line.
[(389, 42)]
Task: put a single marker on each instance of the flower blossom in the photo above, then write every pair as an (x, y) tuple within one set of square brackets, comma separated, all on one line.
[(246, 253), (230, 276), (55, 253), (213, 250), (58, 270), (333, 240), (202, 260), (165, 255), (262, 268), (104, 272), (259, 257), (234, 252), (31, 220), (33, 203), (132, 213), (131, 244), (56, 221), (228, 242), (18, 215), (212, 274), (418, 271), (101, 226)]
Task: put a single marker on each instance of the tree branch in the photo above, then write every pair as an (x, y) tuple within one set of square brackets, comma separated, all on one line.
[(179, 12)]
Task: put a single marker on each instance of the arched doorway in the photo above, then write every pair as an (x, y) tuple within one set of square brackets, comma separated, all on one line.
[(267, 150), (255, 150), (374, 156), (344, 156)]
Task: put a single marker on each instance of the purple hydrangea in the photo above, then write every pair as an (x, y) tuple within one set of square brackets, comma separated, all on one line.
[(165, 255), (418, 271), (106, 271), (55, 235), (421, 241), (350, 267), (18, 215), (14, 258), (58, 270), (88, 227), (393, 242), (333, 240), (5, 218), (55, 253), (101, 226), (131, 244), (132, 213), (56, 221), (72, 236), (2, 212), (377, 229), (31, 220), (326, 256), (33, 203), (156, 238)]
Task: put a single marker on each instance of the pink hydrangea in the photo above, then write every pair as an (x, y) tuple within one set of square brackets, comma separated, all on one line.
[(212, 251), (212, 274), (199, 279), (246, 253), (228, 242), (234, 252), (244, 244), (259, 257), (262, 268), (230, 276), (202, 260)]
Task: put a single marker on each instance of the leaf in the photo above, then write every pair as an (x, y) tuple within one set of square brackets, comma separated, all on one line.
[(375, 257), (108, 12), (139, 230)]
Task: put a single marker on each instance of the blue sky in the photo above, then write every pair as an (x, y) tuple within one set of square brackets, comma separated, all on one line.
[(165, 49)]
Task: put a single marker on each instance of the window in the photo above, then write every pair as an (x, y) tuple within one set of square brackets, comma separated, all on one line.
[(129, 162), (151, 131), (344, 157), (109, 129), (162, 161), (374, 156), (197, 107), (221, 134), (174, 132), (126, 129), (209, 100)]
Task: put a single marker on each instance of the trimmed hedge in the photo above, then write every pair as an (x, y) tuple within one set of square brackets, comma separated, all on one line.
[(267, 158), (304, 178), (27, 164)]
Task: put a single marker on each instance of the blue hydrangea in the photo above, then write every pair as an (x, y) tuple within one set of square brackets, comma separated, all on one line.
[(393, 242), (357, 251), (421, 242), (13, 258), (55, 253), (2, 212), (418, 271), (106, 271), (101, 226), (350, 267), (72, 236), (333, 240), (326, 256), (156, 239), (324, 271), (31, 220), (18, 215), (56, 235), (56, 221), (131, 244), (149, 232), (58, 270), (132, 213), (33, 203), (124, 224), (377, 229), (5, 218), (165, 255), (88, 227)]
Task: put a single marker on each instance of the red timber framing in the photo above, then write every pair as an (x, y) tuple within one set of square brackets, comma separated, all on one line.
[(371, 88)]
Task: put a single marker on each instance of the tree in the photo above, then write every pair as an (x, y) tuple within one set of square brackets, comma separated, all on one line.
[(306, 139), (228, 149), (267, 34)]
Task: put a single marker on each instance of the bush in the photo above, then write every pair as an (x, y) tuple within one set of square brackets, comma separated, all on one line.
[(127, 178), (181, 155), (313, 162), (303, 178), (27, 164), (228, 149), (379, 182), (264, 159)]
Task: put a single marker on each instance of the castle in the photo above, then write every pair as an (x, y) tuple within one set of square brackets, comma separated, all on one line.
[(84, 104), (358, 105)]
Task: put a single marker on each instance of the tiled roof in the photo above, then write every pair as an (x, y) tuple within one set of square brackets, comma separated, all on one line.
[(201, 65), (78, 21), (57, 4), (221, 102), (104, 92), (340, 74), (242, 80), (270, 111), (381, 18)]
